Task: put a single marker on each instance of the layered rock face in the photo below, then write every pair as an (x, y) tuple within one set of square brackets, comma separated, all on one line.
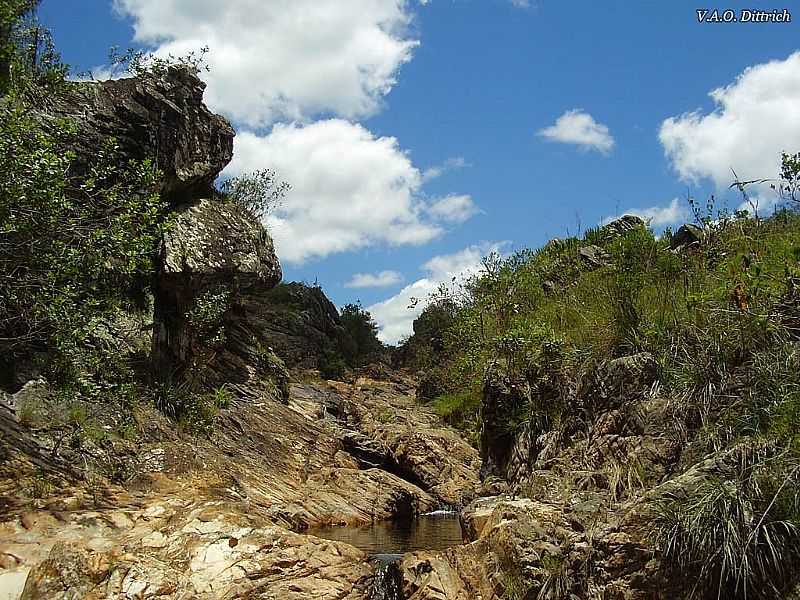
[(160, 117), (216, 253), (300, 322), (134, 506), (558, 519), (211, 245), (229, 517)]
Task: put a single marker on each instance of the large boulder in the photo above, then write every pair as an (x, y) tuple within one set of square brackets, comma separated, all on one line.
[(211, 242), (156, 116), (618, 383), (686, 236), (623, 225), (214, 253)]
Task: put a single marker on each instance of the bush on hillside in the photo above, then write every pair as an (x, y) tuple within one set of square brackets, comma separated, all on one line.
[(362, 331)]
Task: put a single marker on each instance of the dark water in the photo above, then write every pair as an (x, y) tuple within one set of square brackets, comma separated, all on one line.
[(387, 540), (388, 583)]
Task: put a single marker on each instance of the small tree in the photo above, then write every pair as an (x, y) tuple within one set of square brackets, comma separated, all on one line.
[(363, 330), (790, 177), (257, 193), (27, 54)]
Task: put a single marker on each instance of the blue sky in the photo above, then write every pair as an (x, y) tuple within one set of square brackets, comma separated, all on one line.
[(419, 135)]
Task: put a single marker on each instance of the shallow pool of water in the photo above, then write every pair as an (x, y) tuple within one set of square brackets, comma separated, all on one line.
[(387, 540)]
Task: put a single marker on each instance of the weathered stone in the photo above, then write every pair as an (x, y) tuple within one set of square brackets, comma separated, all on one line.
[(618, 382), (502, 400), (621, 226), (212, 242), (686, 236), (594, 256), (299, 322), (416, 445), (211, 248), (160, 117)]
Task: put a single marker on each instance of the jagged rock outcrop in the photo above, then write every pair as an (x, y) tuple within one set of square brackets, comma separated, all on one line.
[(411, 440), (525, 548), (503, 400), (621, 226), (157, 116), (216, 518), (594, 256), (686, 236), (213, 253), (299, 323)]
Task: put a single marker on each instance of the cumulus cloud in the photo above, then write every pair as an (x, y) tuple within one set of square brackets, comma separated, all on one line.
[(350, 189), (284, 59), (579, 128), (374, 280), (395, 315), (755, 118), (453, 209), (659, 216)]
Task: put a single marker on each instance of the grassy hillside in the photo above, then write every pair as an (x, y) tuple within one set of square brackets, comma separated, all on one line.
[(717, 307)]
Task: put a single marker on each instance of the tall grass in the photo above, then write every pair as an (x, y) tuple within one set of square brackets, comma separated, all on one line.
[(735, 537)]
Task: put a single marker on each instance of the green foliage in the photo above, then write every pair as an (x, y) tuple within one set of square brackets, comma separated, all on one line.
[(274, 368), (460, 409), (135, 62), (29, 64), (332, 365), (721, 319), (363, 331), (204, 318), (29, 413), (70, 249), (257, 194), (194, 411), (789, 185), (736, 537)]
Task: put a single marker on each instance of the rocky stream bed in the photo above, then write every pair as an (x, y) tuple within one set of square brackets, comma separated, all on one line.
[(235, 516)]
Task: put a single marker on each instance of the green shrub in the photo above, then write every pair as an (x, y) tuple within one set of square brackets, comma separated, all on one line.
[(194, 411), (332, 365), (69, 249), (735, 537), (459, 409), (257, 194), (363, 331)]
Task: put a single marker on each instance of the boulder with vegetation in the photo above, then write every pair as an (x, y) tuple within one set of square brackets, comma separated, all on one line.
[(212, 257), (158, 115)]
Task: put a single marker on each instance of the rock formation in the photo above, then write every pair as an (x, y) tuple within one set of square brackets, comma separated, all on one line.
[(300, 323), (213, 252), (160, 117)]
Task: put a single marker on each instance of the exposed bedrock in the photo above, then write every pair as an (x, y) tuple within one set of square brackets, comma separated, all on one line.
[(214, 258), (158, 116)]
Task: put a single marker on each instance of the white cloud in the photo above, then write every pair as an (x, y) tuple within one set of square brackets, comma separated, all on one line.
[(579, 127), (755, 118), (450, 164), (284, 59), (517, 3), (350, 189), (763, 202), (659, 216), (453, 209), (372, 280), (396, 315)]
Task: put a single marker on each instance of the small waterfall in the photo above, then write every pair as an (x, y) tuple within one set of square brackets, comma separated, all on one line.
[(388, 583)]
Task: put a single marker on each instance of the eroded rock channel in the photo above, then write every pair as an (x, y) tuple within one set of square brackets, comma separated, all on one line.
[(237, 517)]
